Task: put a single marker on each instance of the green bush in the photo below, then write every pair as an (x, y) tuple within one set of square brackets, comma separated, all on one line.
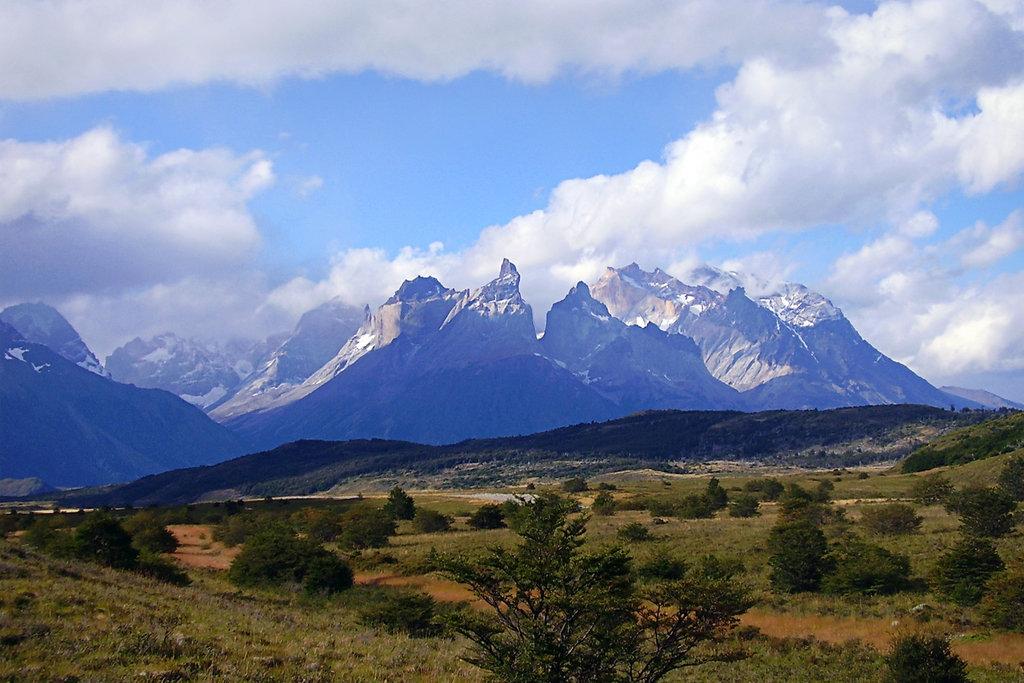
[(924, 659), (319, 524), (823, 492), (891, 519), (769, 489), (1003, 604), (635, 532), (236, 529), (156, 567), (101, 538), (960, 574), (986, 512), (431, 521), (661, 566), (716, 495), (402, 612), (798, 557), (366, 527), (931, 490), (660, 507), (1011, 478), (858, 567), (325, 574), (696, 507), (744, 505), (604, 504), (488, 516), (149, 534), (400, 504), (798, 504), (574, 485)]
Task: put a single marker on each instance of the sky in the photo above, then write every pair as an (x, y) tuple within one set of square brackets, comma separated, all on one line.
[(216, 169)]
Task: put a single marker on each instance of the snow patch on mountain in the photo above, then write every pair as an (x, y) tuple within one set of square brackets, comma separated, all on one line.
[(42, 324)]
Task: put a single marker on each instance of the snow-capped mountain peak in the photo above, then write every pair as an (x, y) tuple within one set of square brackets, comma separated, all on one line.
[(800, 306), (42, 324)]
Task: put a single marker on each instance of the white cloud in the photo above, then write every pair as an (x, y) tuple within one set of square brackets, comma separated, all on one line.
[(66, 48), (96, 212), (983, 246), (893, 115)]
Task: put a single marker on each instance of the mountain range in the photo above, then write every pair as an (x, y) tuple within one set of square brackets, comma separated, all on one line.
[(436, 365)]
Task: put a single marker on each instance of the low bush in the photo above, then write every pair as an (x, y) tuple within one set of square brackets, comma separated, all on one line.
[(716, 495), (1003, 603), (276, 557), (156, 567), (102, 539), (891, 519), (488, 516), (150, 534), (744, 505), (402, 612), (431, 521), (603, 505), (635, 532), (960, 573), (400, 504), (696, 507), (575, 485), (325, 573), (365, 527), (986, 512), (661, 566), (1011, 478), (931, 490), (924, 659), (799, 556), (858, 567), (769, 489)]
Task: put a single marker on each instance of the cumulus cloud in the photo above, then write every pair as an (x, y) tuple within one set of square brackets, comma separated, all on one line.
[(906, 104), (96, 212), (66, 48)]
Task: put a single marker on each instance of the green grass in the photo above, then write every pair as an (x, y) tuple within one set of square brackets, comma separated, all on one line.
[(989, 438)]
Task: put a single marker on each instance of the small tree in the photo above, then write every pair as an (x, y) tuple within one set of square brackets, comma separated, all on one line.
[(274, 556), (716, 495), (798, 556), (799, 504), (366, 527), (604, 504), (635, 532), (400, 504), (744, 505), (823, 492), (488, 516), (986, 512), (325, 573), (960, 574), (931, 490), (892, 519), (1011, 478), (695, 507), (149, 534), (924, 659), (431, 521), (1003, 604), (575, 485), (101, 538), (859, 567), (769, 489), (402, 612), (562, 614)]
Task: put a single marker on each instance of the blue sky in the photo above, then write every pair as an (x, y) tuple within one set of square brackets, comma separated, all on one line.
[(219, 182)]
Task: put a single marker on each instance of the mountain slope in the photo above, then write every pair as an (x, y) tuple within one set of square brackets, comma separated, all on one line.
[(997, 436), (317, 337), (650, 439), (71, 427), (44, 325), (984, 398)]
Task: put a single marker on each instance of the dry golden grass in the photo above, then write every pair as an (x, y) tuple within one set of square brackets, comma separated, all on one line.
[(197, 549)]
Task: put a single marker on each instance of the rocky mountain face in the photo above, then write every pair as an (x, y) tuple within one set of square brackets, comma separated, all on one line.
[(200, 373), (44, 325), (70, 426), (784, 348), (316, 339), (982, 397), (435, 365)]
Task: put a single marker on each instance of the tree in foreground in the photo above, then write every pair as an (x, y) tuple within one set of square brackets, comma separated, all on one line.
[(960, 574), (924, 659), (562, 614), (983, 511), (798, 556), (400, 504)]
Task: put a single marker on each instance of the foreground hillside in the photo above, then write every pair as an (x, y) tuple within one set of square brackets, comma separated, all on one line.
[(1004, 434), (653, 439), (67, 618)]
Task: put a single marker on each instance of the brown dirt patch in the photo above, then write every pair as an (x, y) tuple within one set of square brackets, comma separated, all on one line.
[(439, 589), (196, 547)]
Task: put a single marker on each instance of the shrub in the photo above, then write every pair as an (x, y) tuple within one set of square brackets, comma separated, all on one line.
[(823, 492), (237, 529), (365, 527), (695, 507), (859, 567), (744, 505), (891, 519), (574, 485), (319, 524), (402, 612), (716, 495), (431, 521), (931, 490), (798, 556), (605, 486), (1011, 478), (799, 504), (662, 567), (400, 504), (102, 539), (769, 489), (149, 534), (272, 556), (1003, 604), (156, 567), (960, 574), (659, 507), (325, 574), (924, 659), (862, 475), (635, 532), (986, 512), (488, 516), (603, 504)]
